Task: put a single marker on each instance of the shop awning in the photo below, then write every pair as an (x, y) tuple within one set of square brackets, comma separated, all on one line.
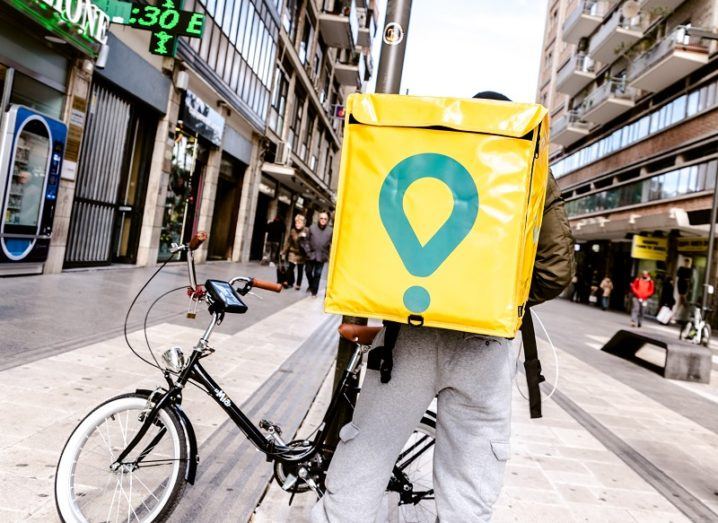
[(601, 228)]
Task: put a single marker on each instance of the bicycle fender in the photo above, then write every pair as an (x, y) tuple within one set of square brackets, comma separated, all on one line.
[(192, 453)]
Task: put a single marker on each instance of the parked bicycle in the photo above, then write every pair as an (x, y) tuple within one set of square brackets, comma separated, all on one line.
[(132, 457), (697, 330)]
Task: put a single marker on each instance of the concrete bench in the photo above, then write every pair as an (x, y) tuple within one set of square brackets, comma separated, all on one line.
[(684, 361)]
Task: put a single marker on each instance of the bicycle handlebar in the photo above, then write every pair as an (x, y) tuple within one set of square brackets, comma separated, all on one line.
[(197, 240), (266, 285)]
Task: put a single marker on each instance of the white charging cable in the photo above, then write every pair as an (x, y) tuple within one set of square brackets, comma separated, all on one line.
[(555, 357)]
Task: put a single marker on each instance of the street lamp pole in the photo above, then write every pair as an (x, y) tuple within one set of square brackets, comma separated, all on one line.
[(711, 241), (391, 63)]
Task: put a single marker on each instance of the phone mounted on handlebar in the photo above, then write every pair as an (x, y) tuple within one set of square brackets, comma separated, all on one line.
[(224, 297)]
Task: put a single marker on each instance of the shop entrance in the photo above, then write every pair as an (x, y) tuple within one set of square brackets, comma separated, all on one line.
[(111, 182), (184, 192), (260, 225), (226, 209)]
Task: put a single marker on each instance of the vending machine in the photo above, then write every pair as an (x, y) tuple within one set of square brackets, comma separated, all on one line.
[(31, 151)]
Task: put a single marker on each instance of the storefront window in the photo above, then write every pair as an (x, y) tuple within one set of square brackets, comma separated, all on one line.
[(31, 93), (182, 193)]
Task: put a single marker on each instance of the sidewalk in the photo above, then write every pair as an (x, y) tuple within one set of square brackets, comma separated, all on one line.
[(42, 401), (616, 443), (602, 452), (49, 314)]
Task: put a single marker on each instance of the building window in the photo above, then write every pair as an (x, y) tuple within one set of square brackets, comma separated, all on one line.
[(679, 109), (297, 117), (279, 101), (305, 44), (678, 182), (318, 55), (307, 142), (289, 19)]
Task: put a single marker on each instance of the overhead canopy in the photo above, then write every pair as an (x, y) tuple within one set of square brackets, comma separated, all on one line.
[(600, 228)]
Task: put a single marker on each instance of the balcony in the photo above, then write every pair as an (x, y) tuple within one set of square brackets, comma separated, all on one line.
[(576, 74), (568, 129), (669, 60), (615, 37), (667, 6), (349, 69), (583, 20), (340, 27), (608, 101)]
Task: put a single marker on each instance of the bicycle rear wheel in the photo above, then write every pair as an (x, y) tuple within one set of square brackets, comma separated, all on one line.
[(87, 489), (410, 495)]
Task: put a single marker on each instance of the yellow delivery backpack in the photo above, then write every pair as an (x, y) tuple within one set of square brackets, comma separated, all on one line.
[(438, 214)]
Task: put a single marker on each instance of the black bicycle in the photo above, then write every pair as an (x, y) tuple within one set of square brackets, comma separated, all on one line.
[(131, 458)]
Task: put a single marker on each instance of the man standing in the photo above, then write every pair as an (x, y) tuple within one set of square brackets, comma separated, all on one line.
[(470, 375), (275, 232), (317, 245), (642, 289), (606, 288)]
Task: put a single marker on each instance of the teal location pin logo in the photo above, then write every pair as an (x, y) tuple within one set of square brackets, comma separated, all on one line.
[(422, 260)]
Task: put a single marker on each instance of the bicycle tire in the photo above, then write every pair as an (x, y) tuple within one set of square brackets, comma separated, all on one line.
[(71, 484), (706, 335), (420, 475)]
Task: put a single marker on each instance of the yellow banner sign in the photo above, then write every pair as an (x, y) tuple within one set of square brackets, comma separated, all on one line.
[(692, 244), (649, 248)]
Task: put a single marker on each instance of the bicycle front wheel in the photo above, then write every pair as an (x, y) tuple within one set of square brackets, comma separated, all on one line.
[(148, 484), (410, 495)]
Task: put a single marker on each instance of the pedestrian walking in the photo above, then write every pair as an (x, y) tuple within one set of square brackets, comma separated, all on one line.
[(470, 375), (293, 251), (642, 288), (275, 233), (666, 301), (317, 244), (606, 289)]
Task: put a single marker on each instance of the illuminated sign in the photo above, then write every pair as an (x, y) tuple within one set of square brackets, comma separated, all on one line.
[(89, 19), (166, 20), (79, 22)]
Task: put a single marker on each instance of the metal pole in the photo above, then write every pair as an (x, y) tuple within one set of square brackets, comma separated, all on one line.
[(711, 241), (393, 47), (391, 62)]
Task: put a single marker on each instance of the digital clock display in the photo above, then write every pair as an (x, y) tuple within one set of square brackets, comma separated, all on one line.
[(167, 23)]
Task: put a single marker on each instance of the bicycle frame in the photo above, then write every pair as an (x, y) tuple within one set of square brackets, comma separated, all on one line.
[(272, 446)]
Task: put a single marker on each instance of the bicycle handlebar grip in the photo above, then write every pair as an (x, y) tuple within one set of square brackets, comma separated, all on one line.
[(267, 285), (197, 240)]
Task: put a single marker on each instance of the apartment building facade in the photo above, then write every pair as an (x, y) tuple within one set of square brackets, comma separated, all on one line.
[(324, 55), (632, 88), (240, 124)]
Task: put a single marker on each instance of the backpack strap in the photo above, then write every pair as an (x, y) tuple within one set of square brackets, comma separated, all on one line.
[(532, 365), (381, 357)]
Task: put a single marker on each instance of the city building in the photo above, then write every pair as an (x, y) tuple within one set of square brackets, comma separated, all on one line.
[(324, 55), (233, 128), (631, 87)]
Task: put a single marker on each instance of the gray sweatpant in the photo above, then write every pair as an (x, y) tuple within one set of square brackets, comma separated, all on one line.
[(471, 376)]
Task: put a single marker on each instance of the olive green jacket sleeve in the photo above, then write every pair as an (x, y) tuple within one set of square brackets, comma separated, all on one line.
[(554, 265)]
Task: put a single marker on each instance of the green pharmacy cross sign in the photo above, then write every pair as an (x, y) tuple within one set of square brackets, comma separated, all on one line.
[(166, 20)]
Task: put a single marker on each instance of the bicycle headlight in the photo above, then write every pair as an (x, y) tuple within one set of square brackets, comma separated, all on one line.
[(174, 359)]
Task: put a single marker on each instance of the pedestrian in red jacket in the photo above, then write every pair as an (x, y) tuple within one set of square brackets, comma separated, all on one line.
[(642, 289)]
